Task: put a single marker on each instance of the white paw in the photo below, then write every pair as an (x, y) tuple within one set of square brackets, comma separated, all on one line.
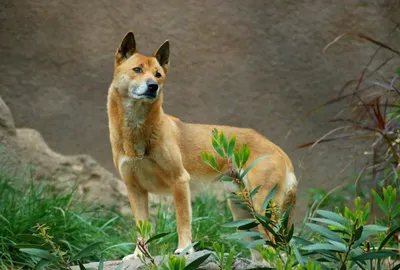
[(179, 251), (133, 256), (129, 257)]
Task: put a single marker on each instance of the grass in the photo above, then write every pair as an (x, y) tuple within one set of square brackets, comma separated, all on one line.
[(208, 215), (75, 224)]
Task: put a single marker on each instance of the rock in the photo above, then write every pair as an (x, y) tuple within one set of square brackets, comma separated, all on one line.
[(209, 264), (25, 146), (6, 119)]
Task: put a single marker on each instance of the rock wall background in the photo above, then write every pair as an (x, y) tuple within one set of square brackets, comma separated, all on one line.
[(255, 64)]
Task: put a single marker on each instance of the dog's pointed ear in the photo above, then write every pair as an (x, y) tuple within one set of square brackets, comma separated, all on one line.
[(162, 55), (126, 49)]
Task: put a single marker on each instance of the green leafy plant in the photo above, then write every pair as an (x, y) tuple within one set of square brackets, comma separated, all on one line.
[(55, 256), (144, 237), (73, 223), (370, 113), (274, 224), (333, 240), (225, 262)]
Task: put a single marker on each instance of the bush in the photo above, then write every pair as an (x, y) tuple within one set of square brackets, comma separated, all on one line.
[(333, 240)]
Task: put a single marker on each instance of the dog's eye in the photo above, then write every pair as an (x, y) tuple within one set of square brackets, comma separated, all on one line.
[(158, 74), (137, 69)]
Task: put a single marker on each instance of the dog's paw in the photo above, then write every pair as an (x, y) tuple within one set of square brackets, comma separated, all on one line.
[(179, 251), (130, 257), (133, 256)]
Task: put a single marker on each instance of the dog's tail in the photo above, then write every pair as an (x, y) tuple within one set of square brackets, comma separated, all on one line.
[(290, 187)]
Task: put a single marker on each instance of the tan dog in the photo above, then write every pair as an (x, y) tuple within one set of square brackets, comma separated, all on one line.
[(157, 153)]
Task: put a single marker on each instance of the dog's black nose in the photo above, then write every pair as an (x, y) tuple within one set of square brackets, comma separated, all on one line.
[(153, 87)]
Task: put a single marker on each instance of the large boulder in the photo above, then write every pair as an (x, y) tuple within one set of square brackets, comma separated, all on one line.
[(26, 147)]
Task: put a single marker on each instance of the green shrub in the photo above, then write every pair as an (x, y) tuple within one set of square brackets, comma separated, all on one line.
[(334, 240), (28, 212)]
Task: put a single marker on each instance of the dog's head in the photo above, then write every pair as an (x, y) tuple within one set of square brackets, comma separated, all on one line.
[(137, 76)]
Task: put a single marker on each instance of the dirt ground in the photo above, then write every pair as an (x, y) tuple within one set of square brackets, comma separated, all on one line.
[(255, 64)]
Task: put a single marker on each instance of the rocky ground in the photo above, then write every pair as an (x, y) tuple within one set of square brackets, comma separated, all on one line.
[(209, 264)]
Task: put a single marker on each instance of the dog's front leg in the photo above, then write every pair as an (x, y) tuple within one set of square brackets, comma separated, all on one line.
[(139, 201), (181, 194)]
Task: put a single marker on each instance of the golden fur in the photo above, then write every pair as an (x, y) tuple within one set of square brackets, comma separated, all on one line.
[(157, 153)]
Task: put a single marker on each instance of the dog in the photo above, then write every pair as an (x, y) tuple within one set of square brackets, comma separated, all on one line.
[(157, 153)]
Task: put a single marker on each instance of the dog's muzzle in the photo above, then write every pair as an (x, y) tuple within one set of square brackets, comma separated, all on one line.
[(152, 89)]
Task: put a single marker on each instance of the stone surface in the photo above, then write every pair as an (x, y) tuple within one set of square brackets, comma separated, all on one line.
[(209, 264), (26, 147)]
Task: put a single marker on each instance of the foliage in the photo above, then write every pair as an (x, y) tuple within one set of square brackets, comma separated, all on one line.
[(371, 114), (34, 216), (336, 240)]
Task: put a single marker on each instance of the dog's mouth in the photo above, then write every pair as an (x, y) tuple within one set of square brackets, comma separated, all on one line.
[(148, 96)]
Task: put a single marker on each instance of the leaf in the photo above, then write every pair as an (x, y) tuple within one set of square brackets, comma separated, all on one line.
[(290, 234), (248, 226), (86, 251), (81, 266), (269, 197), (229, 261), (101, 262), (396, 211), (212, 162), (375, 228), (225, 178), (254, 163), (217, 147), (155, 237), (245, 154), (298, 256), (366, 231), (373, 255), (398, 71), (231, 146), (321, 246), (44, 254), (265, 222), (254, 244), (225, 143), (215, 133), (238, 223), (325, 232), (340, 246), (388, 237), (41, 264), (332, 216), (241, 205), (119, 267), (204, 157), (241, 235), (236, 156), (329, 222), (380, 202), (358, 233), (286, 215), (196, 263), (186, 249), (254, 191), (301, 241)]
